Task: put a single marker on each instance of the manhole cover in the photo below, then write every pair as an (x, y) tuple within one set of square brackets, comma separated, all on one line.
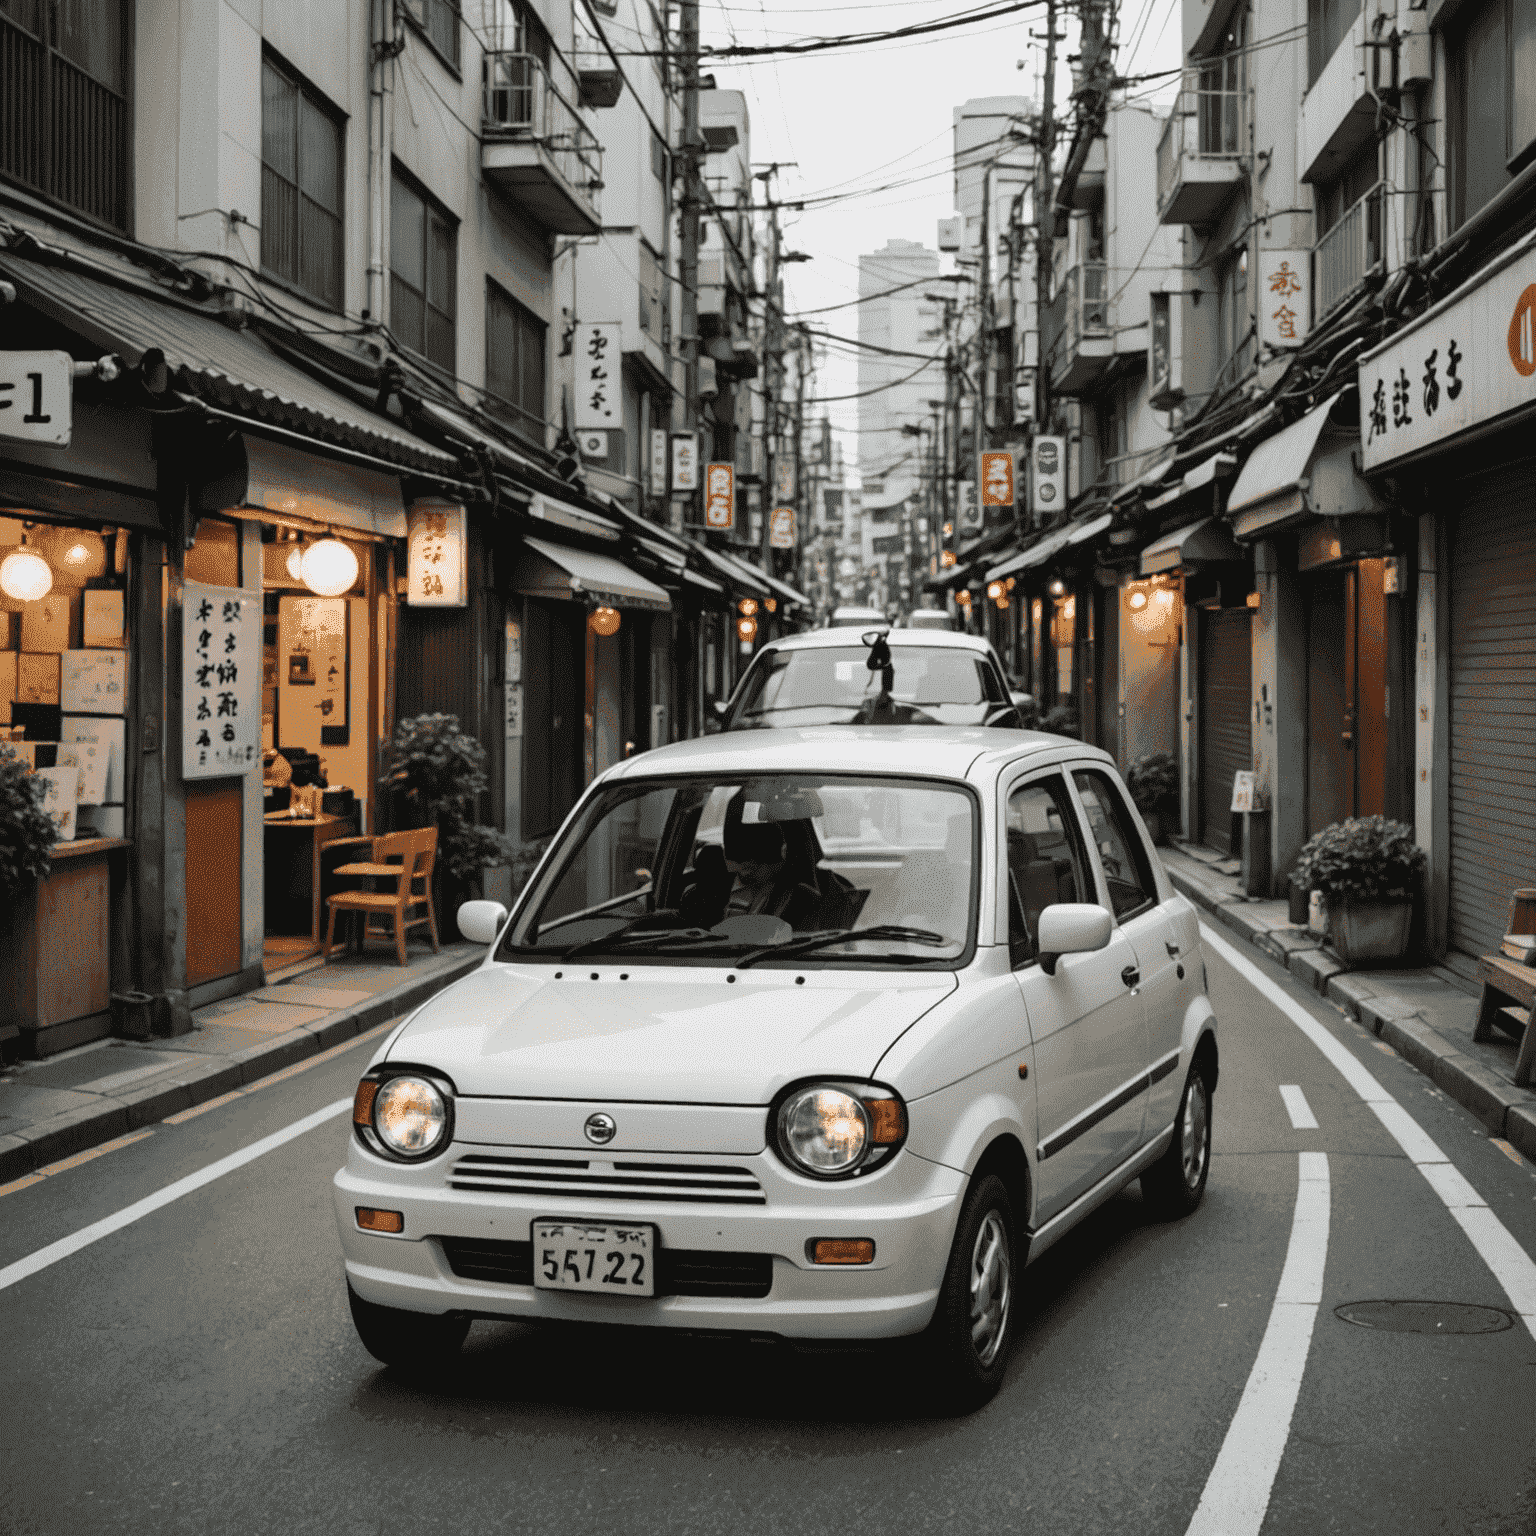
[(1424, 1316)]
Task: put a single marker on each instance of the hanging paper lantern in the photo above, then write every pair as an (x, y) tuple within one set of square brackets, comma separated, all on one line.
[(604, 621), (25, 576), (329, 568)]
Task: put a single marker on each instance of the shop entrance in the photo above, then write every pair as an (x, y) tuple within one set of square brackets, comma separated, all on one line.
[(1226, 736)]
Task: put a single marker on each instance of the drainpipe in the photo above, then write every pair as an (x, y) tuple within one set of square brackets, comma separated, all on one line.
[(384, 46)]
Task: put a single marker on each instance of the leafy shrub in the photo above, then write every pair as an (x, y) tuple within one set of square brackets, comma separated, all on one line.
[(1153, 781), (440, 771), (27, 831), (1366, 858), (1061, 720)]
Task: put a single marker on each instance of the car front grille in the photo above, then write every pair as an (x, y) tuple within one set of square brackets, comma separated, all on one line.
[(679, 1271), (574, 1177)]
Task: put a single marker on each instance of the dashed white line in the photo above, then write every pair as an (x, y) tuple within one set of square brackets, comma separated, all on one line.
[(1237, 1492), (1512, 1266), (1296, 1106)]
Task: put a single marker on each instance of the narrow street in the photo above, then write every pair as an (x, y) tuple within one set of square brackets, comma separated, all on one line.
[(196, 1369)]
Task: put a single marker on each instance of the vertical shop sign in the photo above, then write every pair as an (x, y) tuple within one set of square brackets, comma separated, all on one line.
[(1285, 298), (220, 681), (997, 479), (720, 497), (781, 531), (658, 465), (784, 480), (1048, 469), (512, 681), (435, 555), (967, 509), (599, 392), (685, 462)]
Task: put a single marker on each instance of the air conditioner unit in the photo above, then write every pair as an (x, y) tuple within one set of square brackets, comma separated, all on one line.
[(951, 233)]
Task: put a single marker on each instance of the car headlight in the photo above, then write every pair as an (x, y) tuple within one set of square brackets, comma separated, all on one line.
[(408, 1115), (833, 1130)]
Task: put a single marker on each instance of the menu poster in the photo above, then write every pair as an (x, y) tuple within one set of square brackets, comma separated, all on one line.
[(312, 672), (220, 680), (61, 787), (103, 617), (37, 678), (99, 746), (94, 682)]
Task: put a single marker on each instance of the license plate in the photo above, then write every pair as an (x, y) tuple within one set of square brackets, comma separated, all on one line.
[(600, 1259)]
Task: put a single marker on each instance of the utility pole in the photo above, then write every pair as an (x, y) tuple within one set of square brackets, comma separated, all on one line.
[(773, 347), (1045, 218), (688, 275)]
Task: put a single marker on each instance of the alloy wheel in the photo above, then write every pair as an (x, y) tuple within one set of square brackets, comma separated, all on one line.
[(991, 1288), (1195, 1131)]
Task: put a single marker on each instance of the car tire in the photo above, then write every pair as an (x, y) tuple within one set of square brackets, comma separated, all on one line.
[(413, 1341), (1174, 1185), (967, 1344)]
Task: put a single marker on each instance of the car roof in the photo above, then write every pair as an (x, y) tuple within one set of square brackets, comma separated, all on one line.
[(949, 752), (814, 638)]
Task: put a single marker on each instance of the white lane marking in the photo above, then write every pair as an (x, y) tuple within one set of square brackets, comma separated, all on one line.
[(1512, 1266), (1296, 1106), (1237, 1492), (33, 1263)]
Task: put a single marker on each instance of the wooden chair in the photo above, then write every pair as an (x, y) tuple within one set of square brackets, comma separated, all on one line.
[(412, 878), (1509, 990)]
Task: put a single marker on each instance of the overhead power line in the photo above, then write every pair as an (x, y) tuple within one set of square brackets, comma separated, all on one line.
[(858, 39)]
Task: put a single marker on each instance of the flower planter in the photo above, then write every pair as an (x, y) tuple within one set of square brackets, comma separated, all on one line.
[(1370, 930)]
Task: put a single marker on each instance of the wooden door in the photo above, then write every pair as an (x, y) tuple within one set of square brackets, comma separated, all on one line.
[(214, 837), (1330, 690)]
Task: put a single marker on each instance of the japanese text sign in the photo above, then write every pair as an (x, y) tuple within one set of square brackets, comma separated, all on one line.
[(685, 462), (781, 530), (997, 479), (967, 508), (784, 479), (658, 464), (599, 368), (720, 496), (220, 681), (435, 555), (1285, 298), (36, 397), (1464, 363)]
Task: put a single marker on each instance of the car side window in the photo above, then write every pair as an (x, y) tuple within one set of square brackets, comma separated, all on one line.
[(1127, 870), (1045, 861)]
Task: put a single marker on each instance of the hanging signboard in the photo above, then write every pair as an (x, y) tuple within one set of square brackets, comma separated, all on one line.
[(220, 681), (1048, 474), (36, 397), (784, 480), (436, 537), (720, 497), (685, 462), (658, 464), (1285, 298), (512, 680), (781, 530), (967, 508), (997, 479), (599, 393)]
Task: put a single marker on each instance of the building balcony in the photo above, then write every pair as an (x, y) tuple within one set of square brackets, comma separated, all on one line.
[(1341, 259), (1201, 152), (1079, 332), (536, 148)]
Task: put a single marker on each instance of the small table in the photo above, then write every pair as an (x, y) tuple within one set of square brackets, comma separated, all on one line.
[(293, 885)]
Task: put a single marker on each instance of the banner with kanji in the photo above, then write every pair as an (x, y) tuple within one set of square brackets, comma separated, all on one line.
[(220, 681), (720, 497)]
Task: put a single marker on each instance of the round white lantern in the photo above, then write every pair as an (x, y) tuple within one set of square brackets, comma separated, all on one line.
[(25, 576), (295, 562), (329, 568)]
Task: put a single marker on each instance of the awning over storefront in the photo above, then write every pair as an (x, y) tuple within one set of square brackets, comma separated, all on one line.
[(562, 514), (1199, 478), (1306, 470), (1144, 481), (552, 570), (1051, 545), (271, 477), (787, 593), (737, 574), (1199, 544)]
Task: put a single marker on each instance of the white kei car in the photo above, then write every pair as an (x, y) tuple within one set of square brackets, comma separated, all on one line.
[(821, 1034)]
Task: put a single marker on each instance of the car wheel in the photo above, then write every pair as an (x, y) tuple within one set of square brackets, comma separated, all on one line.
[(1175, 1183), (411, 1340), (968, 1342)]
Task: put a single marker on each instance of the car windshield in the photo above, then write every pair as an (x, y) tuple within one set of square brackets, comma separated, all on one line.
[(840, 870), (833, 685)]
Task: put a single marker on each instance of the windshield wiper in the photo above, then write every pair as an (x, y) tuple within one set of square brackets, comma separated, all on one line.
[(624, 929), (827, 936)]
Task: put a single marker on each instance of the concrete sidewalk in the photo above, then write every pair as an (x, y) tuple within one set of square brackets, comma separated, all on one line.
[(1425, 1014), (69, 1103)]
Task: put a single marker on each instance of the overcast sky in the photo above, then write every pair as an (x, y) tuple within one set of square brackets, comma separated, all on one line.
[(857, 120)]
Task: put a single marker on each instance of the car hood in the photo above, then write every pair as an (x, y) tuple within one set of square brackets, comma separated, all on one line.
[(674, 1034)]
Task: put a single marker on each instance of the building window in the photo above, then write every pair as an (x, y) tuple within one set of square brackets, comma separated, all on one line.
[(514, 364), (1493, 107), (424, 260), (652, 295), (301, 173), (1233, 322), (1328, 24), (439, 21), (64, 126)]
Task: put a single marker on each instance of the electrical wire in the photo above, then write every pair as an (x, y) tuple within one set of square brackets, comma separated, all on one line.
[(864, 394), (849, 40)]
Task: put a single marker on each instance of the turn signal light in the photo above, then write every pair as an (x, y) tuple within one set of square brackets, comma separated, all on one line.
[(842, 1250), (362, 1102), (384, 1221), (887, 1121)]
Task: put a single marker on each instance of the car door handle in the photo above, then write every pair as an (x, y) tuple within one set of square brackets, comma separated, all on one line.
[(1173, 950), (1130, 976)]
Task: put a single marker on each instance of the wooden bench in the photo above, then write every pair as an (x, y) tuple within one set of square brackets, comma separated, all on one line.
[(1509, 990)]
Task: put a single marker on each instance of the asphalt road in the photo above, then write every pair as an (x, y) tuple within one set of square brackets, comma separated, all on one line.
[(196, 1370)]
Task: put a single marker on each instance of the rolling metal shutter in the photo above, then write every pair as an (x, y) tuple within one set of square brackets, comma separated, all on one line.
[(1226, 739), (1493, 707)]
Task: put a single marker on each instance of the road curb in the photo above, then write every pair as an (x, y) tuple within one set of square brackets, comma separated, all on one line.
[(1505, 1110), (78, 1130)]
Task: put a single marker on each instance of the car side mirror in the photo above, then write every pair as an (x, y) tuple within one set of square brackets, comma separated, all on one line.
[(714, 719), (480, 921), (1071, 928), (1021, 700)]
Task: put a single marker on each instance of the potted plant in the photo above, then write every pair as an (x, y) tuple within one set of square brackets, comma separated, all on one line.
[(27, 833), (1061, 720), (437, 773), (1367, 870), (1153, 781)]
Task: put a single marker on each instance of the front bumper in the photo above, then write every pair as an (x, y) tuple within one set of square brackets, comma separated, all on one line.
[(909, 1208)]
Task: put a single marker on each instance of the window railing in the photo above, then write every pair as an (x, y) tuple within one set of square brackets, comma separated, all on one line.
[(1209, 122), (522, 102), (1341, 259), (1080, 307)]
